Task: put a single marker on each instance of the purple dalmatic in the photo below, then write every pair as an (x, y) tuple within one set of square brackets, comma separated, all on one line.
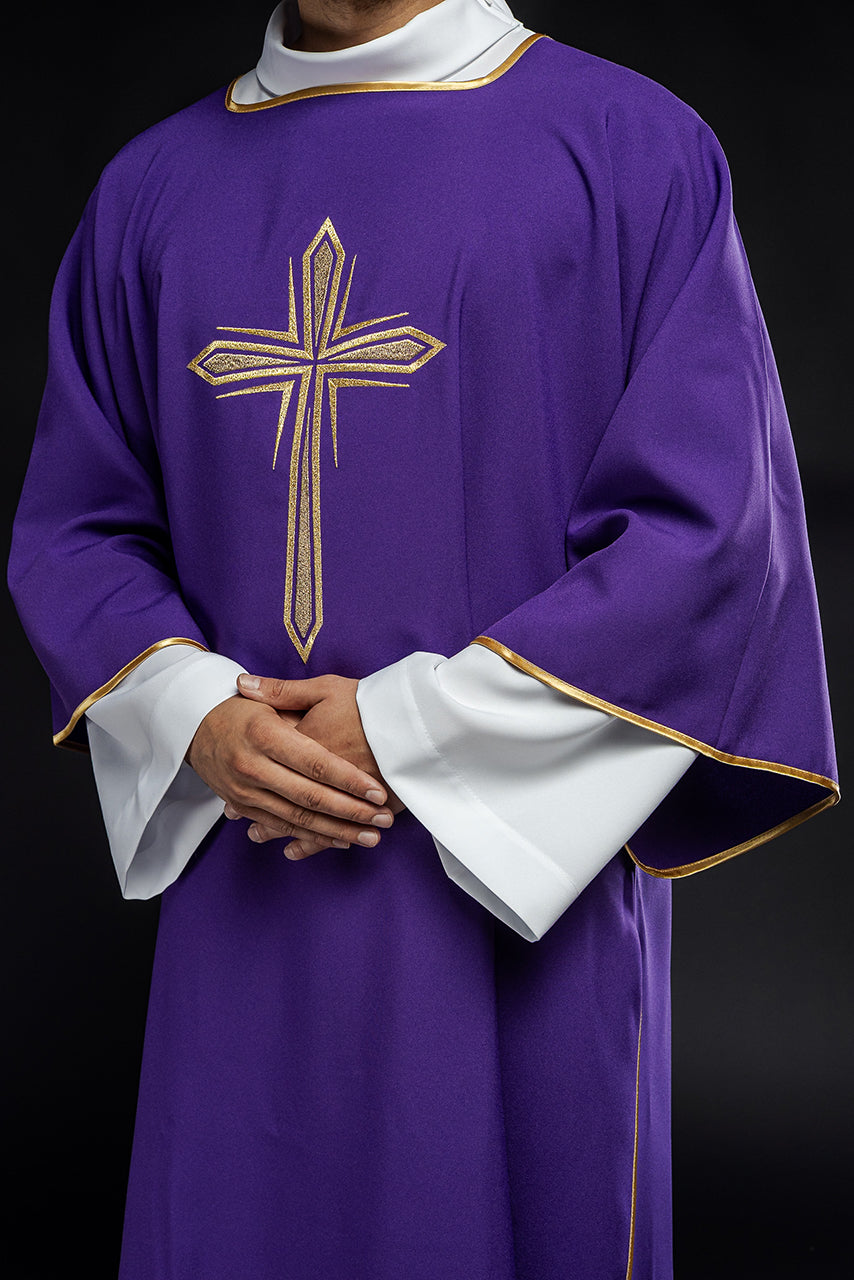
[(362, 372)]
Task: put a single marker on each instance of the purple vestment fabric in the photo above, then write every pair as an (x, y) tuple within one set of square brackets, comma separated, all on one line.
[(365, 373)]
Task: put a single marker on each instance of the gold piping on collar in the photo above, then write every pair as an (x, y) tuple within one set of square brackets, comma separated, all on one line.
[(59, 738), (703, 748), (380, 86)]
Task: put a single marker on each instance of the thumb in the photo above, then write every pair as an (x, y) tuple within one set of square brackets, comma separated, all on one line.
[(290, 695)]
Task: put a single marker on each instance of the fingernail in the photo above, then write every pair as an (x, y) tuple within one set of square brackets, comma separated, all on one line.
[(294, 852), (375, 797), (249, 682), (368, 837), (253, 835), (382, 820), (340, 844)]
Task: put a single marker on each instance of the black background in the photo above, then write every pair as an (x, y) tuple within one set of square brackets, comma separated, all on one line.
[(762, 1059)]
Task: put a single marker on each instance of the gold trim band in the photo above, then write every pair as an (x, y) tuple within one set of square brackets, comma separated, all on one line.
[(702, 864), (380, 86), (631, 1261), (59, 738), (703, 748)]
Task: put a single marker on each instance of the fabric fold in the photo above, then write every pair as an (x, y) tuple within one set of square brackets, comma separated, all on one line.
[(688, 603), (92, 567)]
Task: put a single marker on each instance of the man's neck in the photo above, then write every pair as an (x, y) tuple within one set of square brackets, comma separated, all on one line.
[(328, 25), (454, 40)]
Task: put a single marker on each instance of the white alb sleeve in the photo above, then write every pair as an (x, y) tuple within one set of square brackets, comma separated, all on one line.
[(527, 792), (156, 808)]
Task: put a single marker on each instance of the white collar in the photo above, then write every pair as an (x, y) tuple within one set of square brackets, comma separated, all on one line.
[(455, 40)]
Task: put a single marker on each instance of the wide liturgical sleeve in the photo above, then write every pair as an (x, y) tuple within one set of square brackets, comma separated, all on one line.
[(91, 568), (688, 606)]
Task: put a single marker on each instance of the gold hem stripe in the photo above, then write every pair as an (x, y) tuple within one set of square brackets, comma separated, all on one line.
[(691, 868), (84, 706), (723, 757), (631, 1261), (380, 86)]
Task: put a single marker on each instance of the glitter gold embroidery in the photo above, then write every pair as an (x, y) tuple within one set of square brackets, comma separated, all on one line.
[(227, 363), (324, 359)]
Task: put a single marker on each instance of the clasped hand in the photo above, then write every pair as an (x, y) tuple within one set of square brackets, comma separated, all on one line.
[(292, 757)]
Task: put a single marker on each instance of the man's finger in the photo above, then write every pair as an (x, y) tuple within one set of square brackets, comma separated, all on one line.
[(290, 695), (301, 845), (297, 850), (289, 820), (328, 774)]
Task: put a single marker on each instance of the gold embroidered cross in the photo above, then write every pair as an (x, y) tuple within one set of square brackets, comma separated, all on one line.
[(325, 358)]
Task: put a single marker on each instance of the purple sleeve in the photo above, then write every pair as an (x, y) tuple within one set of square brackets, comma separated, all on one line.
[(689, 605), (91, 569)]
